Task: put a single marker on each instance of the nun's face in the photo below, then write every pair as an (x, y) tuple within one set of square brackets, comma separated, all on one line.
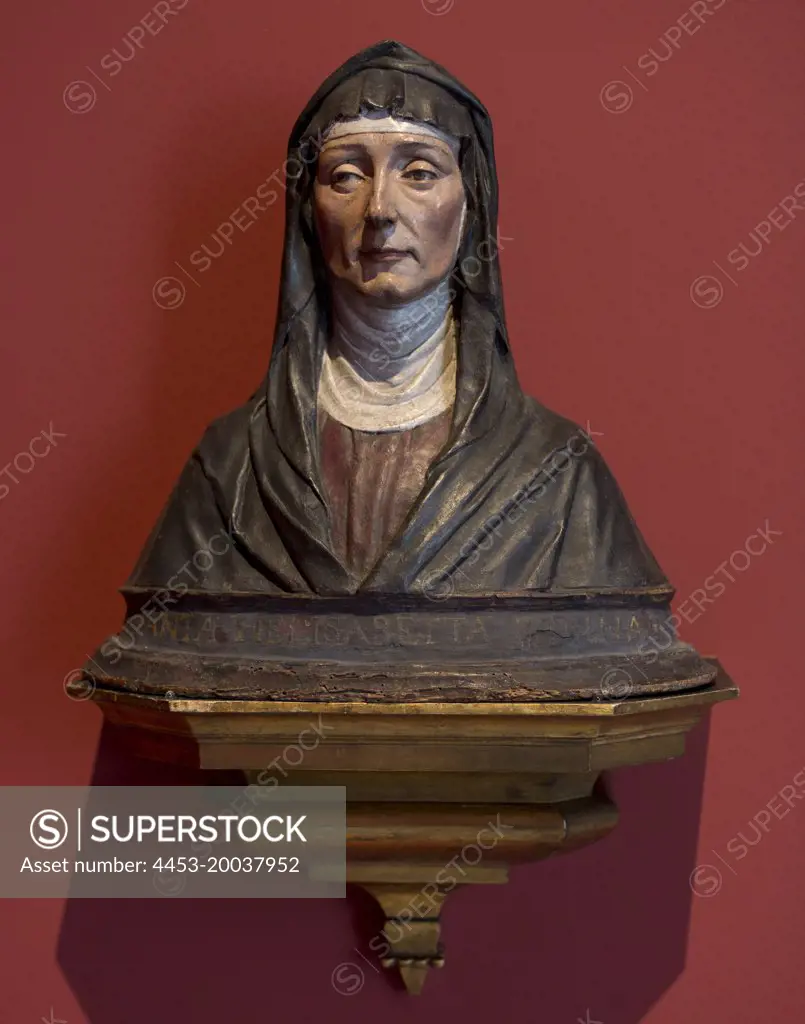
[(389, 212)]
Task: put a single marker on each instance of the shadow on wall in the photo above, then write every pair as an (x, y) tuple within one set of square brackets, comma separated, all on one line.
[(598, 935)]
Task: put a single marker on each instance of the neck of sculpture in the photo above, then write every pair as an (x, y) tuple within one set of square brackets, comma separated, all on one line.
[(387, 342)]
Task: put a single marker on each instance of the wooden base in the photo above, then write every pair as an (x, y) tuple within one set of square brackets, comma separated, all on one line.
[(438, 794)]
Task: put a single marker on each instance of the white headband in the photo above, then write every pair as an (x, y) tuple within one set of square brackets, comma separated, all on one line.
[(381, 125)]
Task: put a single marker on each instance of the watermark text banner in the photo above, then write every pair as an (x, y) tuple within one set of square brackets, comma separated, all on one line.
[(201, 842)]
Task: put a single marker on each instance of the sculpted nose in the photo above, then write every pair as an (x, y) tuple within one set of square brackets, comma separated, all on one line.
[(381, 211)]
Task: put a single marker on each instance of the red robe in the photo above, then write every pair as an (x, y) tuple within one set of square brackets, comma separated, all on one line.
[(372, 480)]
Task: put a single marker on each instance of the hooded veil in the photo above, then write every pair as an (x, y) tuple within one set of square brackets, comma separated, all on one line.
[(517, 500)]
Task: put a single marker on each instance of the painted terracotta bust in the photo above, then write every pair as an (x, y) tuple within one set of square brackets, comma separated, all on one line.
[(391, 448), (391, 455)]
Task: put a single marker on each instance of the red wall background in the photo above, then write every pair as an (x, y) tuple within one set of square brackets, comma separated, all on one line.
[(624, 181)]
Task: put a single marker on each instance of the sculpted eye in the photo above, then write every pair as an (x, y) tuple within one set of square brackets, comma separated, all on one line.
[(345, 179), (421, 172)]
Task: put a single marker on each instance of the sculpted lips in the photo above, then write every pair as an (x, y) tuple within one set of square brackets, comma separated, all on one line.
[(384, 255)]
